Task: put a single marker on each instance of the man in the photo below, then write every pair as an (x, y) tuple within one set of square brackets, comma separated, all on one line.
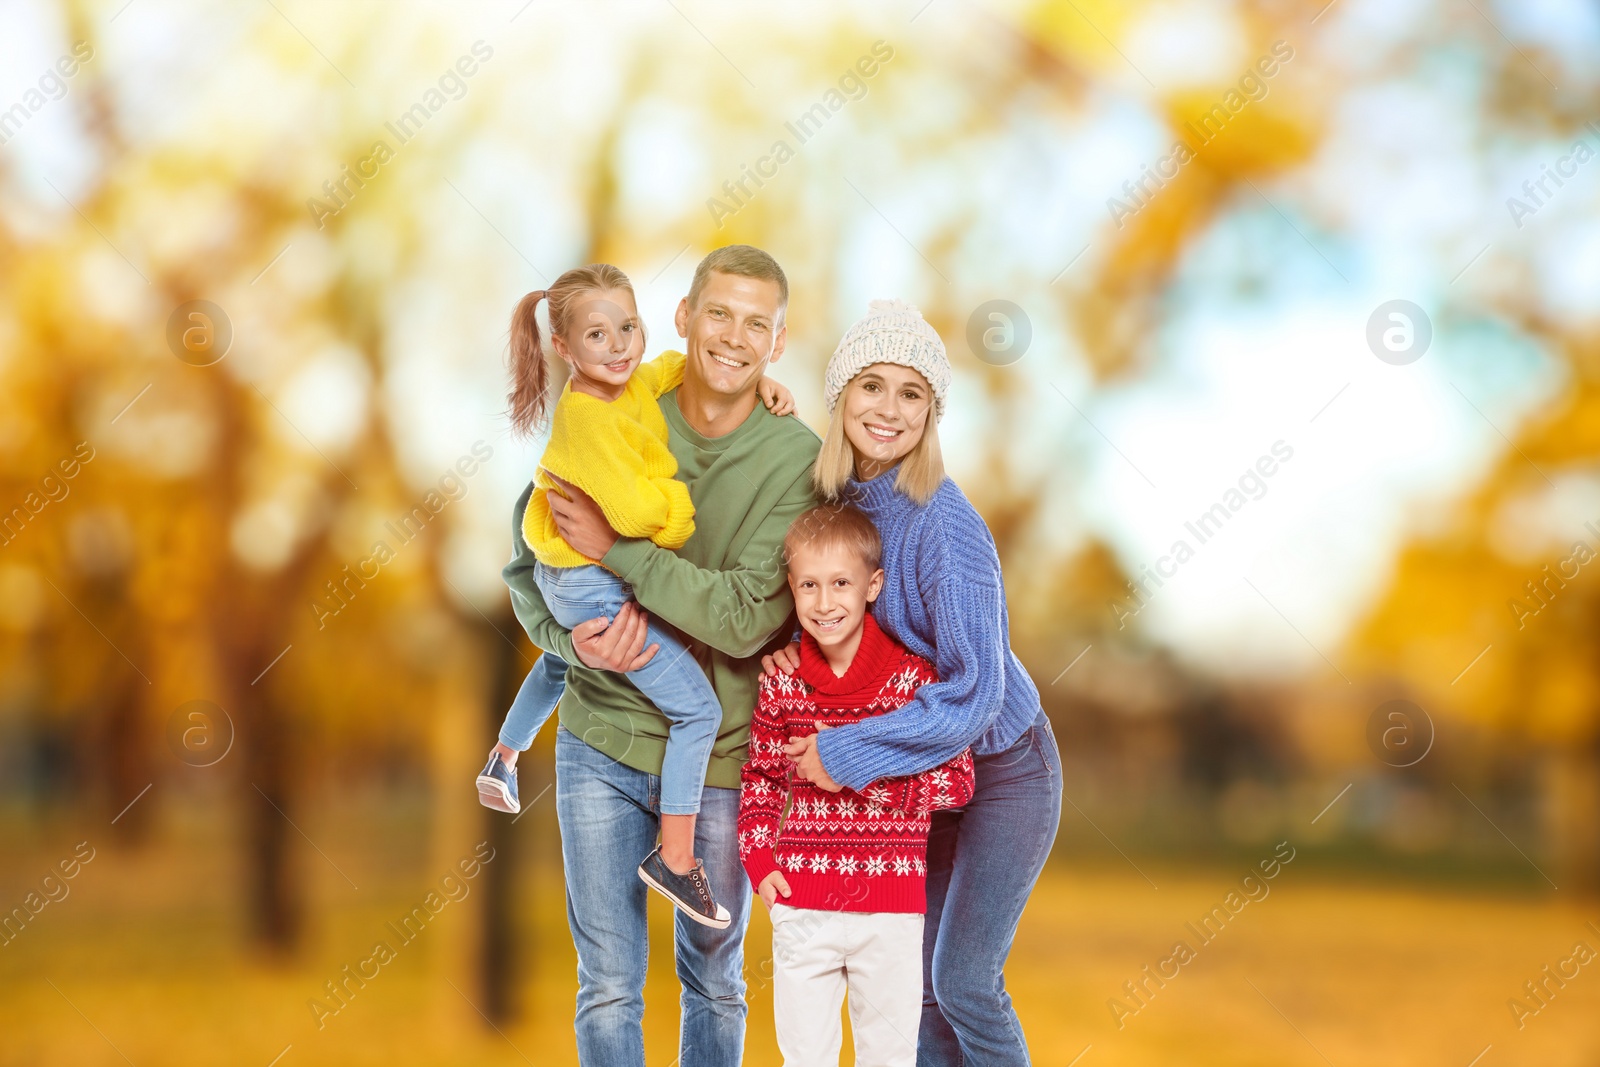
[(749, 475)]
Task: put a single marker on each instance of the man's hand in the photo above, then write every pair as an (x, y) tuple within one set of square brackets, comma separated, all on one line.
[(614, 644), (786, 659), (579, 520), (802, 752), (771, 887)]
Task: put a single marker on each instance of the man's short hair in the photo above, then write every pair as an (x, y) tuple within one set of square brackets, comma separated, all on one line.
[(746, 261), (833, 526)]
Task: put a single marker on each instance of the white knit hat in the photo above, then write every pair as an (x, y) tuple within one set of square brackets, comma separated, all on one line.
[(892, 331)]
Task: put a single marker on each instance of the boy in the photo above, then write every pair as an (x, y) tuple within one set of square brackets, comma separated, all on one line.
[(841, 872)]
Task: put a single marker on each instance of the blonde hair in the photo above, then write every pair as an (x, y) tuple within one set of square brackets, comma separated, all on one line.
[(835, 526), (530, 378), (921, 470), (744, 261)]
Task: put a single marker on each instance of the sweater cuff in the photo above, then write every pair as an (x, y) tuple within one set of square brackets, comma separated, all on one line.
[(627, 555), (679, 526), (760, 863), (830, 752)]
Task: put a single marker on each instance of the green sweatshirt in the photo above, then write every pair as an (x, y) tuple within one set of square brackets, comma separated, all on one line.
[(724, 591)]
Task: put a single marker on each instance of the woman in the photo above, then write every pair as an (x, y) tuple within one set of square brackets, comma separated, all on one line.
[(943, 598)]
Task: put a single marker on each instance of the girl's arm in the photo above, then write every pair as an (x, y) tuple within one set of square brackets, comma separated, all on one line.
[(959, 567), (608, 469), (662, 374)]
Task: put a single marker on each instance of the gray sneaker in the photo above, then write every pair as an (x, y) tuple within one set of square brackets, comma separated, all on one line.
[(690, 893)]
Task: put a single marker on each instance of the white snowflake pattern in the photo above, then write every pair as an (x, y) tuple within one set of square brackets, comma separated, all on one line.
[(847, 808), (905, 681), (877, 795), (820, 863), (902, 865), (920, 867), (794, 861), (848, 864), (876, 865)]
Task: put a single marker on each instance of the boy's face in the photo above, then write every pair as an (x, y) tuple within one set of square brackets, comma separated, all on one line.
[(832, 589)]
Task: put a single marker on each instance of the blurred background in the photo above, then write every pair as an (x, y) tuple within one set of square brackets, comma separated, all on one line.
[(1276, 333)]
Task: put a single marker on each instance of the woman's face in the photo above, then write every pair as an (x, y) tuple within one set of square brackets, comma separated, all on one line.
[(885, 409)]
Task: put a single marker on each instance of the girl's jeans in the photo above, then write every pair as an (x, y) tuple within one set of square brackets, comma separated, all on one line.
[(982, 862), (672, 680)]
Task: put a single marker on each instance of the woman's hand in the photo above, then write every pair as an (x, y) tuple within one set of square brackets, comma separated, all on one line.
[(778, 399), (579, 520), (771, 887), (614, 644), (786, 659), (802, 752)]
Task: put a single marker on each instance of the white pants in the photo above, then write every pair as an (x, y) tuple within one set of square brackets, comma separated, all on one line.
[(817, 955)]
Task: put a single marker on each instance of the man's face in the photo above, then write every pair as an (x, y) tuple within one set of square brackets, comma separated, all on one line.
[(734, 330)]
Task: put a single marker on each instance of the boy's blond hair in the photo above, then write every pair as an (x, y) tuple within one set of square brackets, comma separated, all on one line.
[(835, 525)]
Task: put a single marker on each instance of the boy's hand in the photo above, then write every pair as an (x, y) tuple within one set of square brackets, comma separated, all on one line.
[(802, 752), (771, 886), (786, 659), (778, 399)]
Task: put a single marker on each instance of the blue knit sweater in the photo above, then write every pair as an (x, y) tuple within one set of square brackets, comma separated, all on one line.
[(943, 599)]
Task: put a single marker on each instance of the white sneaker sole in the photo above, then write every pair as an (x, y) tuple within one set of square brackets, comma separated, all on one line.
[(492, 793), (715, 924)]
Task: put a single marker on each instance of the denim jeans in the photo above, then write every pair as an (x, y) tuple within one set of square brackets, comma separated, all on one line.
[(983, 861), (672, 680), (609, 815)]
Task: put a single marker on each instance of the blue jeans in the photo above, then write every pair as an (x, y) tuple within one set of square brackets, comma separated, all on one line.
[(609, 815), (672, 680), (983, 861)]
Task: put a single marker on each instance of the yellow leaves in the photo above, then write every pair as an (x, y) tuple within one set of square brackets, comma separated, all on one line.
[(1236, 137), (1082, 30)]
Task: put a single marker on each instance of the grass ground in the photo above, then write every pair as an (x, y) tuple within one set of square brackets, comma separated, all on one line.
[(145, 963)]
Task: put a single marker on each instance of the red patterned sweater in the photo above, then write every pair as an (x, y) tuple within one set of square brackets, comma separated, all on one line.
[(844, 851)]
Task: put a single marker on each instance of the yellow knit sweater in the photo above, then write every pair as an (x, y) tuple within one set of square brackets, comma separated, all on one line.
[(616, 452)]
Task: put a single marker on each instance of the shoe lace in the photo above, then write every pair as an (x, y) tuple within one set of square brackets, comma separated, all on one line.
[(698, 879)]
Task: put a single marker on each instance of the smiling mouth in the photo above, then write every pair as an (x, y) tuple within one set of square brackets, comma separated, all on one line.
[(728, 361), (827, 626), (617, 366), (882, 433)]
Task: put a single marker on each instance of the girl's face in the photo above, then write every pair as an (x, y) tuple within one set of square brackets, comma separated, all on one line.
[(603, 340), (884, 409)]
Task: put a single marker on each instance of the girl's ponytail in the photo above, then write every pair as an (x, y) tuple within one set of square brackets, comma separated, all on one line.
[(530, 378)]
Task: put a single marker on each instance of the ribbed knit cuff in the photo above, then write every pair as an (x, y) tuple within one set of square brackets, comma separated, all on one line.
[(833, 749), (680, 514), (760, 863)]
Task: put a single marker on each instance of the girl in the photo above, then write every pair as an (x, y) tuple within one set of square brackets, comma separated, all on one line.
[(609, 439), (943, 598)]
